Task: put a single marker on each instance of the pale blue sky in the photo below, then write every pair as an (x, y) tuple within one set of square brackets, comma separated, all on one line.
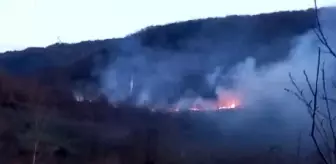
[(26, 23)]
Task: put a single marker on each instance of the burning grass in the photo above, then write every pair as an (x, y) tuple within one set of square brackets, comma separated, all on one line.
[(229, 102), (98, 132)]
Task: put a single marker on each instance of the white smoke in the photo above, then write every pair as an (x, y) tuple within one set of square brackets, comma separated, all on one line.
[(262, 89), (156, 80)]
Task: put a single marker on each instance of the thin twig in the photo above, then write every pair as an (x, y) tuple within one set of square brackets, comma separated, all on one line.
[(299, 94), (319, 33), (313, 126), (326, 137), (329, 111), (309, 84)]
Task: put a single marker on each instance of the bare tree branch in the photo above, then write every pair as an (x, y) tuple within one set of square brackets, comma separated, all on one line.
[(330, 120), (309, 84), (319, 32), (313, 126), (312, 106), (300, 95)]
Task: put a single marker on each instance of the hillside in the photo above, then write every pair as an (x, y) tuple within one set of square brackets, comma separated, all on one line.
[(40, 116), (266, 37)]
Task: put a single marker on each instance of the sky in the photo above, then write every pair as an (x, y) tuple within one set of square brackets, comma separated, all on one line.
[(39, 23)]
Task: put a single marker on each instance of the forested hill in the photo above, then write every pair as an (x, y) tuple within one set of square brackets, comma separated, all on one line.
[(235, 37), (263, 28)]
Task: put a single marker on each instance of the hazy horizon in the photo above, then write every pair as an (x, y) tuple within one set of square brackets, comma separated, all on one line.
[(46, 22)]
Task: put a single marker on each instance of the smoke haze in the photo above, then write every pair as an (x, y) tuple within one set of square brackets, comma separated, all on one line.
[(270, 115)]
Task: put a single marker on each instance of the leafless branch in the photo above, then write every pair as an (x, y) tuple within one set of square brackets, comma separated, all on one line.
[(312, 106), (331, 100), (300, 95), (309, 83), (315, 103), (330, 120), (319, 32)]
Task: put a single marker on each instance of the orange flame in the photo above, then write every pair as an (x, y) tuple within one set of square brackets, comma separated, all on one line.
[(219, 104), (225, 101), (230, 103)]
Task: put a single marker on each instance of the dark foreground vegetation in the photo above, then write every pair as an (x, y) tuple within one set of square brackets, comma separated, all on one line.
[(39, 124)]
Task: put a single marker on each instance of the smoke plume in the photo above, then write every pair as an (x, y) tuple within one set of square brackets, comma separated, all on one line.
[(167, 79)]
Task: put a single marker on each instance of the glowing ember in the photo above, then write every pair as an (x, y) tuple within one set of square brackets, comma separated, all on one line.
[(232, 106), (225, 101), (212, 105), (228, 102)]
